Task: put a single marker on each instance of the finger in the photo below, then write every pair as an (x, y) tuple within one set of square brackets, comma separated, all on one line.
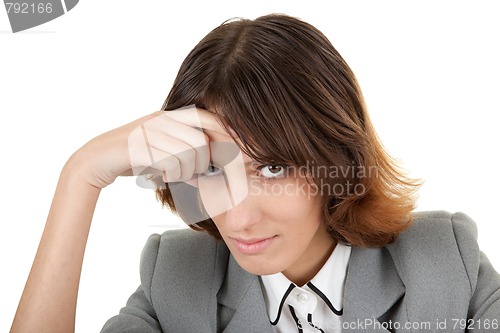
[(218, 137), (166, 165), (145, 159), (223, 152), (160, 129), (172, 171), (196, 117), (184, 157)]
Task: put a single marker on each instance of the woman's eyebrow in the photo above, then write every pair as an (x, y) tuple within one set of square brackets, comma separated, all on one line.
[(253, 162)]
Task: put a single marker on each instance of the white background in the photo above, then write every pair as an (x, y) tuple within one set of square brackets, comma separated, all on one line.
[(429, 71)]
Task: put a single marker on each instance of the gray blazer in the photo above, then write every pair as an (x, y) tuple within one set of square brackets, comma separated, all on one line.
[(433, 278)]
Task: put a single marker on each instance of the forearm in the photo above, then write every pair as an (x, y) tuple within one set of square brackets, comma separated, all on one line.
[(48, 303)]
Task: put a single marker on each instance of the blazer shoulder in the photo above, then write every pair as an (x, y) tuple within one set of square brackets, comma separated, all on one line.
[(456, 227), (176, 253), (439, 260), (460, 223), (438, 229), (461, 226), (439, 245), (187, 245), (181, 272), (189, 237)]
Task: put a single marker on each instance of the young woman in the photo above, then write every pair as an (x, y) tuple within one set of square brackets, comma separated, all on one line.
[(302, 222)]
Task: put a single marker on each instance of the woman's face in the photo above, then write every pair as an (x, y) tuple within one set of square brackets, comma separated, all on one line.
[(269, 216)]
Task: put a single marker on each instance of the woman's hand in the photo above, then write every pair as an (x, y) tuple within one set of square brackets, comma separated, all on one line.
[(174, 144), (169, 143)]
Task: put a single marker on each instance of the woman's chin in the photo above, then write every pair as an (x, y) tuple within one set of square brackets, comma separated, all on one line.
[(262, 268)]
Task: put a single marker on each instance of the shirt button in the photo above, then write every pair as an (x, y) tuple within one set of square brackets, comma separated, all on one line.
[(303, 297)]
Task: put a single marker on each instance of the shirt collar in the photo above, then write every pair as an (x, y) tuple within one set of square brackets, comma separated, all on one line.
[(329, 282)]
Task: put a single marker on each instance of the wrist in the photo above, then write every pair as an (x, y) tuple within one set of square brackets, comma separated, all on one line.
[(77, 170)]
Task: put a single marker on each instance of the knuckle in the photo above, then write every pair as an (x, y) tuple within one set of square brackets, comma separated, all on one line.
[(189, 155)]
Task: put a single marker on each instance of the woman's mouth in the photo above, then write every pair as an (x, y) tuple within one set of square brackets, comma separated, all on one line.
[(252, 246)]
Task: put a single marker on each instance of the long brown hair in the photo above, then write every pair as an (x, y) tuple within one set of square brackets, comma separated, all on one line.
[(284, 89)]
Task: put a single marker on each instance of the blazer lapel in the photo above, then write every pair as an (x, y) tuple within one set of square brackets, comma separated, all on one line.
[(241, 291), (372, 288)]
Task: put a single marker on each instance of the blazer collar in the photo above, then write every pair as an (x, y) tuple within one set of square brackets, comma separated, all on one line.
[(242, 292), (372, 287)]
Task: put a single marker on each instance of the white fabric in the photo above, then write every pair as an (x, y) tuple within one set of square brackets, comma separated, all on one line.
[(329, 280)]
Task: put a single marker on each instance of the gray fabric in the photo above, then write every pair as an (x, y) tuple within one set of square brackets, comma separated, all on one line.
[(433, 273)]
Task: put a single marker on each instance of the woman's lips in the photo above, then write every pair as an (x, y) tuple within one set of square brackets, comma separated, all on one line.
[(252, 246)]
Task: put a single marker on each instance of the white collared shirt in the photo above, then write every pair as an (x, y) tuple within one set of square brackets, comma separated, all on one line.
[(321, 297)]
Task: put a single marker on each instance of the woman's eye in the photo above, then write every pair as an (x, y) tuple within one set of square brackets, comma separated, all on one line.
[(212, 171), (272, 171)]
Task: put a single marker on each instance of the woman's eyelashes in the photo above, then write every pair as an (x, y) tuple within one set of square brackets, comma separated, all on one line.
[(272, 172), (265, 171), (213, 171)]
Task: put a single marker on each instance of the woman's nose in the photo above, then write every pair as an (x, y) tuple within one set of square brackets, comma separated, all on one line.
[(243, 216)]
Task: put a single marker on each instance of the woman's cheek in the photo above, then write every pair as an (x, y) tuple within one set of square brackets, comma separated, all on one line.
[(214, 195)]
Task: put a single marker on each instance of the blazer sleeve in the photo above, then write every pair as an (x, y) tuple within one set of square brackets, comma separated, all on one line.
[(484, 307), (139, 316)]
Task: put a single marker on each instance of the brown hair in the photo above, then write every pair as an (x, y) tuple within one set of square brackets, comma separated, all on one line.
[(291, 99)]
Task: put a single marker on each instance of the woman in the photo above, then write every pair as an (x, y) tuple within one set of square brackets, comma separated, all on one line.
[(264, 142)]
